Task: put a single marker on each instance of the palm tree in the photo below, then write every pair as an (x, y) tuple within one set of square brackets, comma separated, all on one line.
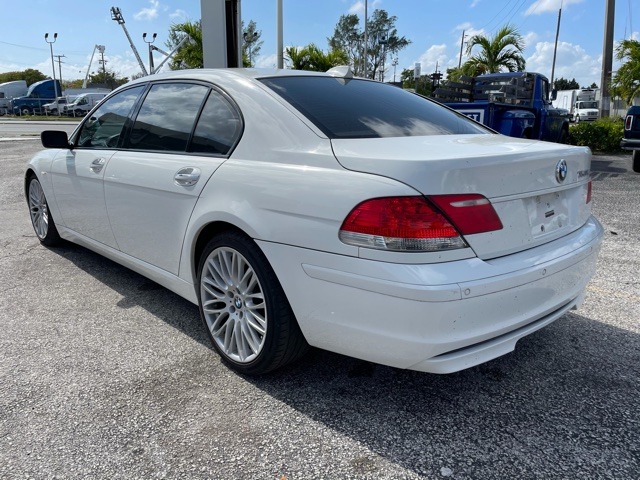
[(190, 53), (313, 58), (503, 50), (626, 81)]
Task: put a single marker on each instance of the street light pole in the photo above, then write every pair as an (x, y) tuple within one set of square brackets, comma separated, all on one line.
[(249, 38), (153, 39), (53, 66)]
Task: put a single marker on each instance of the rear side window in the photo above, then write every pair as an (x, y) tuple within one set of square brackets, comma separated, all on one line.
[(218, 127), (167, 117), (357, 108), (104, 127)]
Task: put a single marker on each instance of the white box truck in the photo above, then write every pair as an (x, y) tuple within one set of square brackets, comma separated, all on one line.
[(581, 104), (10, 90)]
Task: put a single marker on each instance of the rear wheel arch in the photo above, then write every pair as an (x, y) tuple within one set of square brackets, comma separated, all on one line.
[(206, 234)]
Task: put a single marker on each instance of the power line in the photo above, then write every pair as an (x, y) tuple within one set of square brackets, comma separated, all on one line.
[(496, 15)]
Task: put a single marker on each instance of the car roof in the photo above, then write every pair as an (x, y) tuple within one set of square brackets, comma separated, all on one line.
[(227, 74)]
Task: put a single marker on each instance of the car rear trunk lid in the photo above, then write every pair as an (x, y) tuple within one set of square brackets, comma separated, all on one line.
[(523, 180)]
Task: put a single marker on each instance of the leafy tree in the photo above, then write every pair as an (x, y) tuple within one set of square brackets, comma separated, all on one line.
[(503, 50), (29, 75), (107, 79), (564, 84), (189, 55), (313, 58), (422, 85), (626, 81), (593, 85), (251, 43), (382, 41)]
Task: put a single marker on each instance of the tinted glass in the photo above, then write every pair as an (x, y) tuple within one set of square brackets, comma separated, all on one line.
[(167, 116), (104, 127), (218, 127), (364, 109)]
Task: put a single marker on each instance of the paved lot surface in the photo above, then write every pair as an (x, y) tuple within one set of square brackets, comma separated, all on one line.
[(104, 374)]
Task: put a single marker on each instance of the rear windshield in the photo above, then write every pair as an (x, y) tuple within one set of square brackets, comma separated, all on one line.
[(365, 109)]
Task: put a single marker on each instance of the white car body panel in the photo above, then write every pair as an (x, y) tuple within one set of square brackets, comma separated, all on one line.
[(77, 181), (154, 231), (289, 188)]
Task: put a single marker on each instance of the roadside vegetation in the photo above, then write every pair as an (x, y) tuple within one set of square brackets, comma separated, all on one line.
[(601, 136)]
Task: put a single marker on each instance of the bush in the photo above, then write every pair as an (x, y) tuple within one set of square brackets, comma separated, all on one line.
[(603, 135)]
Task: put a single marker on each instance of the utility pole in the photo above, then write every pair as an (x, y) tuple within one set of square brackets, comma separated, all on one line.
[(607, 59), (366, 16), (60, 62), (103, 62), (279, 35), (461, 45), (153, 39), (555, 47)]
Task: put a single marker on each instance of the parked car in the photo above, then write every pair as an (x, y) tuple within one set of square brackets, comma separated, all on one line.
[(304, 208), (631, 139), (53, 107)]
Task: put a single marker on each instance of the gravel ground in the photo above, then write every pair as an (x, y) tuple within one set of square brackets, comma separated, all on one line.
[(105, 374)]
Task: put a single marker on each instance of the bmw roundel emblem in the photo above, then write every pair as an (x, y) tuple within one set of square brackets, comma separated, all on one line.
[(561, 170)]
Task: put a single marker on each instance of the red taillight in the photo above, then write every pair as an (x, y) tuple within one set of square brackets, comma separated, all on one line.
[(588, 192), (627, 122), (414, 224), (470, 213)]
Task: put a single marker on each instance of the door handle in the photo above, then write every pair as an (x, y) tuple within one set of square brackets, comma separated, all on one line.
[(187, 177), (97, 165)]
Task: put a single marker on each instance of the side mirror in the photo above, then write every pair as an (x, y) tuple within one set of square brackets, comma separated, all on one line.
[(54, 139), (554, 94)]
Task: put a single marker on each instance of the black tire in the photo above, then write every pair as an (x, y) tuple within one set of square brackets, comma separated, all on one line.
[(25, 111), (564, 136), (41, 219), (252, 337), (635, 156)]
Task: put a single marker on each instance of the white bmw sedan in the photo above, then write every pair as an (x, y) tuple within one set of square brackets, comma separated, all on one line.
[(299, 208)]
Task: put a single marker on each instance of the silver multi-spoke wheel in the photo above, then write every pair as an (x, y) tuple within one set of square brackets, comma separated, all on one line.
[(38, 209), (233, 304)]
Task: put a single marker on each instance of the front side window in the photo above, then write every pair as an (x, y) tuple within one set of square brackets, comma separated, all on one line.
[(218, 128), (359, 108), (104, 127), (167, 116)]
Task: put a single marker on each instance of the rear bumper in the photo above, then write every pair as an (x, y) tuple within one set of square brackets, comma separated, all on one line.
[(630, 144), (436, 318)]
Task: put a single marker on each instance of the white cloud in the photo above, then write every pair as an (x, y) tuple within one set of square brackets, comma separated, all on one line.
[(572, 61), (474, 3), (435, 54), (148, 13), (358, 7), (268, 61), (541, 6), (179, 15)]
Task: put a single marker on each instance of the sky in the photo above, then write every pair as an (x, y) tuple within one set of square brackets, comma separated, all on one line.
[(434, 27)]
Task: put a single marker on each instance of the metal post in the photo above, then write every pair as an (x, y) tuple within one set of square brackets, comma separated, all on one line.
[(53, 67), (555, 48), (365, 37), (607, 59), (279, 41), (461, 45)]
